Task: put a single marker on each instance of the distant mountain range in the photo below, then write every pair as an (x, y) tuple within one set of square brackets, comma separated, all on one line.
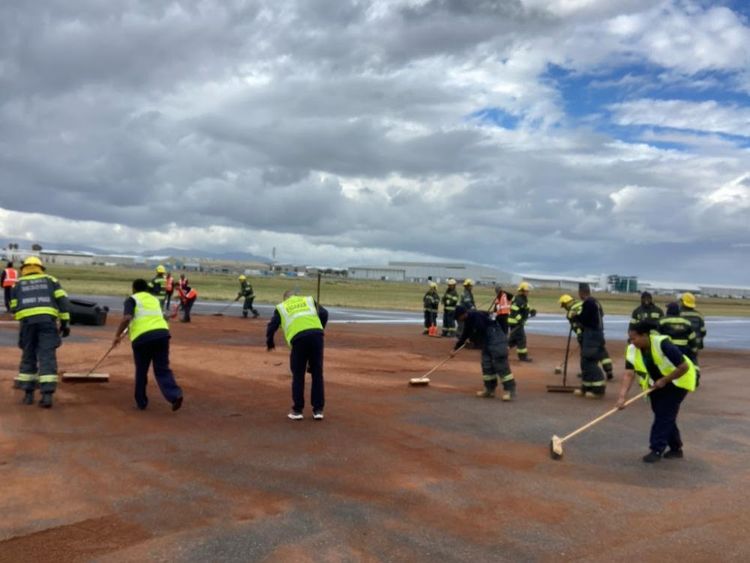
[(168, 251)]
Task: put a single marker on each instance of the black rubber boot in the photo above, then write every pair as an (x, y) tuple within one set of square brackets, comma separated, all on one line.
[(46, 401), (28, 398)]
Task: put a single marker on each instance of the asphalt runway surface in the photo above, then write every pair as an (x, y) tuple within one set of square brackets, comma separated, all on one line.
[(723, 332), (394, 473)]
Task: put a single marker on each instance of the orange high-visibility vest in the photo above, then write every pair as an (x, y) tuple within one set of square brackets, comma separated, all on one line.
[(502, 305), (169, 283), (11, 277)]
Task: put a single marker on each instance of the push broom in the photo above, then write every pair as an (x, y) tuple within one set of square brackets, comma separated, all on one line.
[(90, 376), (564, 388), (556, 444), (424, 380)]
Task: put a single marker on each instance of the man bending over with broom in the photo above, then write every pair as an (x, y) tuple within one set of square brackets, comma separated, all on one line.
[(149, 334), (485, 332), (661, 365)]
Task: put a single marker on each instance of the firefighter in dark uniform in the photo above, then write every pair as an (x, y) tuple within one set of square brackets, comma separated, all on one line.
[(430, 303), (681, 334), (450, 300), (484, 332), (658, 363), (689, 312), (158, 285), (302, 320), (467, 302), (149, 335), (520, 312), (246, 291), (38, 301), (572, 310), (590, 319), (647, 311)]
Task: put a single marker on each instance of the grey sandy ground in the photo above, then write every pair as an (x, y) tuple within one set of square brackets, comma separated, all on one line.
[(393, 473)]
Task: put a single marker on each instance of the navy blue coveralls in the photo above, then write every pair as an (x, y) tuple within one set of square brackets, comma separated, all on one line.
[(483, 331), (152, 347), (307, 349), (665, 402), (593, 348)]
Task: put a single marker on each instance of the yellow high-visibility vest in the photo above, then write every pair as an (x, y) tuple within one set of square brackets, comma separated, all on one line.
[(298, 314), (635, 357), (148, 315)]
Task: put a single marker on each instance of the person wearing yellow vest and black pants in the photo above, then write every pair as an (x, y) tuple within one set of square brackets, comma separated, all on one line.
[(302, 320), (8, 279), (660, 364), (149, 335), (37, 301)]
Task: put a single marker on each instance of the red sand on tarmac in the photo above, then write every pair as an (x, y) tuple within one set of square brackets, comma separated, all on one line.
[(393, 473)]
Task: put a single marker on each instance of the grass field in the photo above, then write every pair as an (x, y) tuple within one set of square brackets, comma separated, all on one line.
[(104, 280)]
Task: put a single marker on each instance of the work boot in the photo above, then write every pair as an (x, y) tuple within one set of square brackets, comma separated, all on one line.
[(486, 394), (176, 404), (46, 401), (592, 395), (610, 375), (508, 395), (425, 332), (652, 457), (579, 392), (28, 398), (244, 314), (524, 358), (673, 454)]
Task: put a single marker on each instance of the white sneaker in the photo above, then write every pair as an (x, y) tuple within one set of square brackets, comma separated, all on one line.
[(294, 415), (317, 415)]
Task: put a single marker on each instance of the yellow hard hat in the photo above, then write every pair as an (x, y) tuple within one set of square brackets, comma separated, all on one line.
[(688, 299), (451, 281), (32, 261), (433, 285), (524, 286), (565, 299), (242, 277), (468, 282), (161, 269)]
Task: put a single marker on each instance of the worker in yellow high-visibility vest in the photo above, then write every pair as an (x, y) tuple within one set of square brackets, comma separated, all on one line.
[(660, 364), (149, 334), (302, 321)]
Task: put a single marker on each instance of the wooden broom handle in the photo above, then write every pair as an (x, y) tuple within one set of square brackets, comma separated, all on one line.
[(445, 360), (606, 414)]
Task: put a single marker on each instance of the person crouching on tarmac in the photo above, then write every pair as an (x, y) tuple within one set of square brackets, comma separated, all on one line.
[(37, 301), (481, 329)]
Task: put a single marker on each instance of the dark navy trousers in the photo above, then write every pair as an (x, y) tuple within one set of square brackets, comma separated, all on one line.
[(156, 352), (665, 403), (307, 349)]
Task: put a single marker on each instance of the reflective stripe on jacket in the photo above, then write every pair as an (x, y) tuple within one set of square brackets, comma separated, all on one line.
[(147, 316), (635, 357), (39, 294), (297, 315)]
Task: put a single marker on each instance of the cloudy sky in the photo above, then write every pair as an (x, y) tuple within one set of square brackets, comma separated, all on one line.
[(546, 136)]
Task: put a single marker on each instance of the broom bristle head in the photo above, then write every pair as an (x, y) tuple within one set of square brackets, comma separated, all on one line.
[(555, 448), (415, 381)]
